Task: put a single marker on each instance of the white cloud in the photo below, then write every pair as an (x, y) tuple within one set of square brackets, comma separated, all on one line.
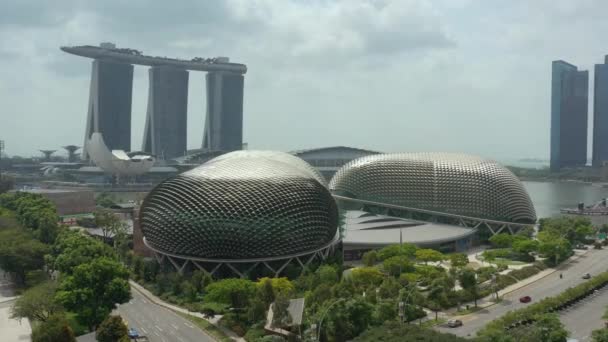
[(400, 75)]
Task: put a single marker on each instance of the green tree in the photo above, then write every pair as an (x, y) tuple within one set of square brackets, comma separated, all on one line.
[(266, 291), (366, 276), (572, 228), (94, 289), (327, 274), (105, 200), (233, 291), (407, 249), (393, 331), (72, 249), (370, 258), (37, 303), (548, 328), (281, 317), (604, 228), (527, 231), (397, 265), (54, 329), (525, 246), (553, 247), (347, 319), (469, 283), (200, 280), (20, 253), (458, 260), (257, 310), (112, 329), (188, 290), (110, 224), (436, 297), (600, 335), (280, 286), (429, 255), (502, 240)]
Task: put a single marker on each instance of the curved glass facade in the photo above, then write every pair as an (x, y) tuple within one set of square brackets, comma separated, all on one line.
[(444, 182), (241, 205)]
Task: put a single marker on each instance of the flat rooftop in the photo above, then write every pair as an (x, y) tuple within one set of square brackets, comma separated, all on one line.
[(131, 56), (365, 230)]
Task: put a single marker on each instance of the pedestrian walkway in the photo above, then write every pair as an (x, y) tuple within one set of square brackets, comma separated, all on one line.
[(11, 329), (215, 320)]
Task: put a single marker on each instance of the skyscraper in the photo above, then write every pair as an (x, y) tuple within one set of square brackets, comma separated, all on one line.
[(600, 114), (224, 121), (110, 104), (166, 121), (569, 94)]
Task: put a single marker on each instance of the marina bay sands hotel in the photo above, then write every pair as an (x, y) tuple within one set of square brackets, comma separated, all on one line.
[(109, 110)]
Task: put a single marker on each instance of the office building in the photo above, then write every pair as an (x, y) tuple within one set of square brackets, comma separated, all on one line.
[(569, 95), (600, 114), (166, 121)]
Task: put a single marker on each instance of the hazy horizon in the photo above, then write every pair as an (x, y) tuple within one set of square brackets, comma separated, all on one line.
[(465, 76)]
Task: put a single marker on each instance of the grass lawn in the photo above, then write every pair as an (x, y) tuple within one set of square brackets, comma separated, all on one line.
[(207, 327), (432, 322)]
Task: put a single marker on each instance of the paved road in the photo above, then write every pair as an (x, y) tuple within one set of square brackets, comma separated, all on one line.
[(159, 324), (593, 262), (585, 316), (11, 330)]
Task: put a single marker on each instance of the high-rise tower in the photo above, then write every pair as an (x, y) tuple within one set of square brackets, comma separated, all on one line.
[(600, 114), (224, 121), (166, 122), (110, 104), (569, 95)]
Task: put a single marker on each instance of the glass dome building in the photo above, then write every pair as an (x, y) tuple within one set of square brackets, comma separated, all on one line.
[(242, 207), (450, 183)]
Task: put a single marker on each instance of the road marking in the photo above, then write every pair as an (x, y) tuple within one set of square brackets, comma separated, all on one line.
[(159, 329), (144, 330), (189, 325), (175, 326)]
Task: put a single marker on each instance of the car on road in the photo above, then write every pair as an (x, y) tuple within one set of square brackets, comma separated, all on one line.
[(454, 323), (581, 246), (525, 299), (587, 276), (133, 333)]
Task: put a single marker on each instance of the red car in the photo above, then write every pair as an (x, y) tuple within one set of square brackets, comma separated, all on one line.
[(525, 299)]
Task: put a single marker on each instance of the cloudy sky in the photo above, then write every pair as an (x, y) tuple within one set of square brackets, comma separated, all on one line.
[(392, 75)]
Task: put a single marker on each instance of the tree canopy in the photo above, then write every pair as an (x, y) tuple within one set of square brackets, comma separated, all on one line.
[(54, 329), (429, 255), (37, 303), (393, 331), (405, 249), (20, 253), (73, 249), (112, 329), (93, 290), (233, 291)]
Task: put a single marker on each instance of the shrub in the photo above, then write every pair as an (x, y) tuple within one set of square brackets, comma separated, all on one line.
[(524, 272)]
